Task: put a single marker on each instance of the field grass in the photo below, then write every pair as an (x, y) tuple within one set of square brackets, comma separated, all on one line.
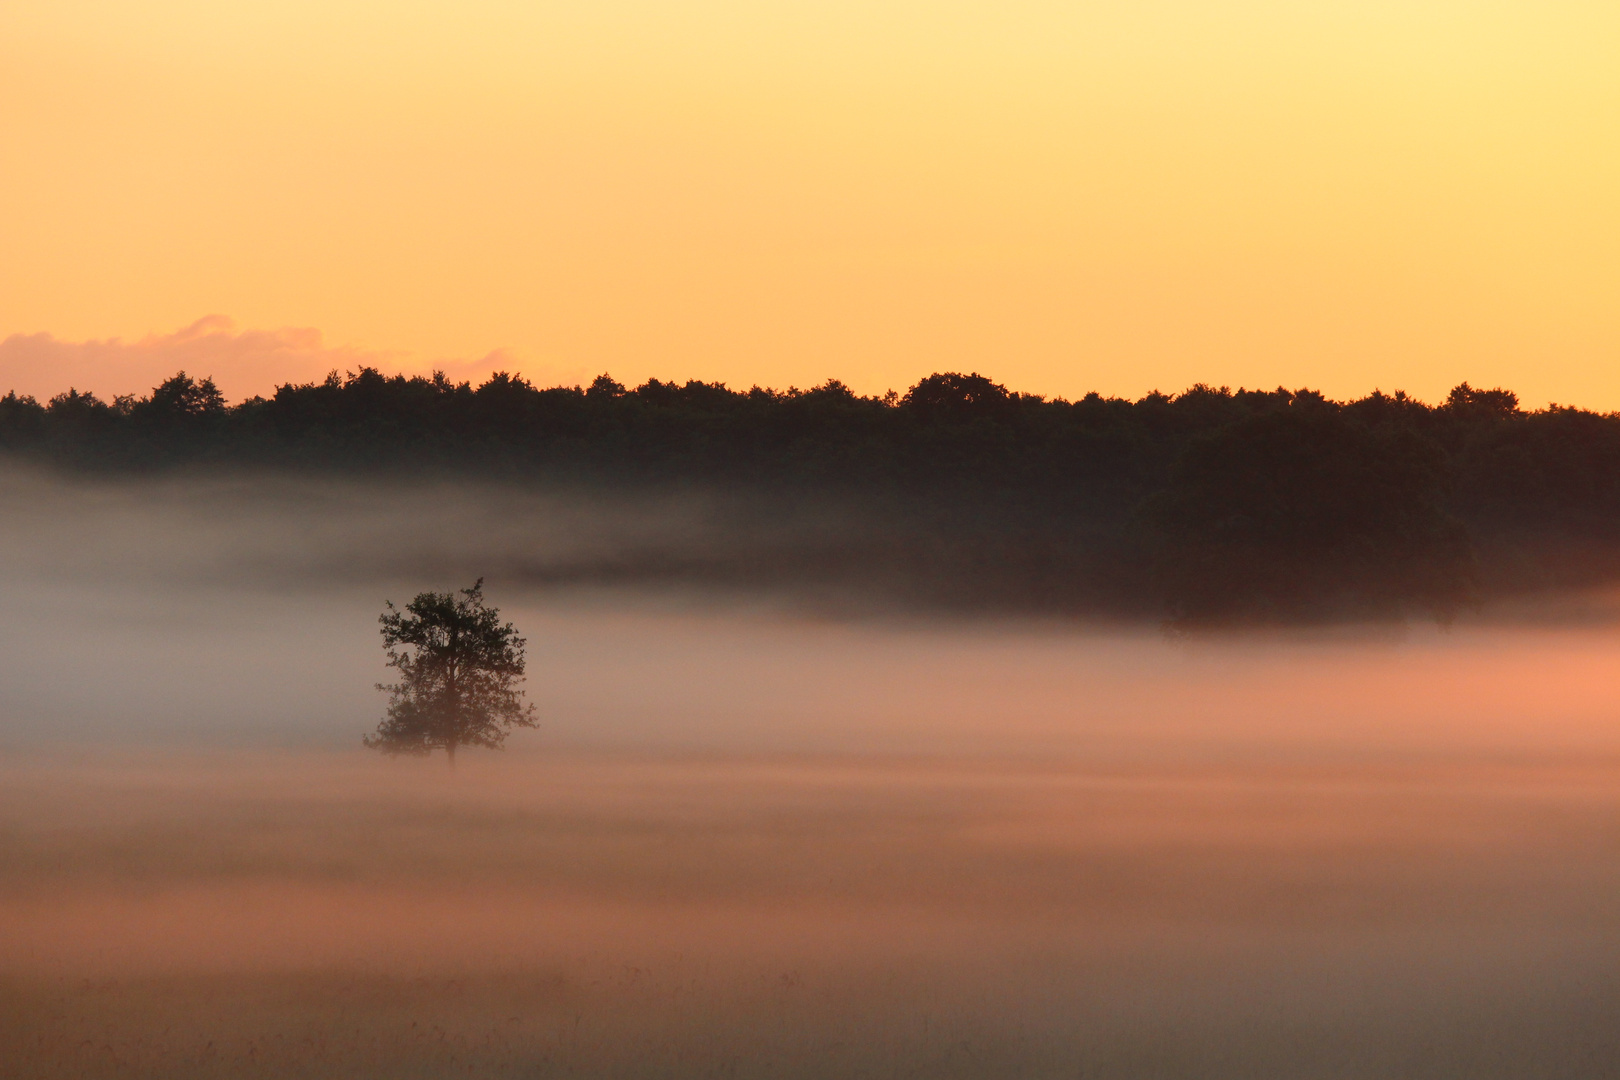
[(258, 914)]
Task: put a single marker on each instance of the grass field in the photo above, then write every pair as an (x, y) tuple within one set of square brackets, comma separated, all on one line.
[(256, 913)]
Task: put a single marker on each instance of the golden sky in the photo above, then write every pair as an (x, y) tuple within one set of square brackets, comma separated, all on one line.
[(1118, 195)]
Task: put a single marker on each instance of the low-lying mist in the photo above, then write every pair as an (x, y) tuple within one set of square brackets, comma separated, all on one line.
[(273, 913), (767, 826), (216, 610)]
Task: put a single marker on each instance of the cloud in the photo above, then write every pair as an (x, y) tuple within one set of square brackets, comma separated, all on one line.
[(241, 362)]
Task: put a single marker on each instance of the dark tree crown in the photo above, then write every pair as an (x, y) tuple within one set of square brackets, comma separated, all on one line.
[(459, 668)]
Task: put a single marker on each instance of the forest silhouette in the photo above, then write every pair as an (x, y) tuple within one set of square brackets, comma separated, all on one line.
[(1209, 506)]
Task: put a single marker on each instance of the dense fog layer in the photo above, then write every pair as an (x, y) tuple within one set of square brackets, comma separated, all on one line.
[(764, 832), (230, 612), (266, 913)]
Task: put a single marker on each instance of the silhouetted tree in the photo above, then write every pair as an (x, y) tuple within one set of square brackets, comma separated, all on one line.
[(956, 396), (182, 396), (1467, 401), (605, 386), (459, 669)]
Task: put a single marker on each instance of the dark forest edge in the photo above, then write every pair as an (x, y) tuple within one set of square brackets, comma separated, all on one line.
[(1209, 506)]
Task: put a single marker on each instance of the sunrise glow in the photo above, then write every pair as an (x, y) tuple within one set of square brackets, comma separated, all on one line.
[(1068, 196)]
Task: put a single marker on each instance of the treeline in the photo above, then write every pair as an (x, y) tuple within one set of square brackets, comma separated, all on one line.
[(1210, 505)]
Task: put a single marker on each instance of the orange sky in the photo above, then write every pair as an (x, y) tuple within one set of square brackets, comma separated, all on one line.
[(1067, 196)]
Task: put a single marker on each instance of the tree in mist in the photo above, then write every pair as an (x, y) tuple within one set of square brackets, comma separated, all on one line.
[(459, 668)]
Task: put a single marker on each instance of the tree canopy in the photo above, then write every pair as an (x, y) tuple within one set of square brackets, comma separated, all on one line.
[(459, 667), (1212, 503)]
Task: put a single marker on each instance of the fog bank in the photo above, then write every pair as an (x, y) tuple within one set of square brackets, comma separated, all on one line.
[(257, 913), (761, 832), (231, 612)]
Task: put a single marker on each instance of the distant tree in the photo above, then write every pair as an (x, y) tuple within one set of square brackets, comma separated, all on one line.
[(459, 669), (21, 420), (183, 396), (605, 386), (956, 396), (76, 412), (1466, 401)]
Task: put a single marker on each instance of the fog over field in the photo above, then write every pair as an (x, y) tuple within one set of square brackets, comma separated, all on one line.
[(765, 827)]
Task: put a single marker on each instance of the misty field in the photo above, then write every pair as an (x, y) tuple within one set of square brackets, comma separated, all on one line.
[(755, 837), (298, 914)]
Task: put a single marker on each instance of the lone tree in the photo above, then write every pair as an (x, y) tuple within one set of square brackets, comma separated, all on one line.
[(459, 668)]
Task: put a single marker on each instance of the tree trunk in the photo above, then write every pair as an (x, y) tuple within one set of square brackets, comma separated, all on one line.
[(450, 749)]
